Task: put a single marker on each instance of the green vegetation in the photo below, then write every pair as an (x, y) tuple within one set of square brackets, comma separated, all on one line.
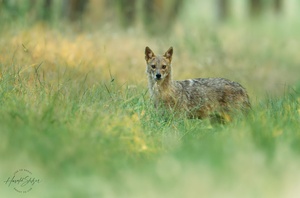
[(75, 111)]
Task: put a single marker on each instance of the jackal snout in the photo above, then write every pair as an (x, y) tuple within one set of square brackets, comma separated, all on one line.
[(158, 76)]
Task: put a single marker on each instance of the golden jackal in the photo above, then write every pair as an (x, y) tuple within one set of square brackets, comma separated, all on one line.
[(196, 98)]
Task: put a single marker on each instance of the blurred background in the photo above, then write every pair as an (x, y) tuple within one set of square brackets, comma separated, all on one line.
[(251, 41), (156, 16)]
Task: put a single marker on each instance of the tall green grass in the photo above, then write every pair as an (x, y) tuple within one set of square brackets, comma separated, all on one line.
[(107, 140)]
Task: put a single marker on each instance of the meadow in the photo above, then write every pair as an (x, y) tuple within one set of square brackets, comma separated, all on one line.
[(75, 111)]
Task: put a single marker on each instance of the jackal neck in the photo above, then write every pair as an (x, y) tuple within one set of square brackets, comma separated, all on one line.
[(158, 89)]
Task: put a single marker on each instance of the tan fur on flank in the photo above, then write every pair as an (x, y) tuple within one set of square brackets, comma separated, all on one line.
[(196, 98)]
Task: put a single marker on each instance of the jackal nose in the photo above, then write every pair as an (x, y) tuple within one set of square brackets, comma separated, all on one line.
[(158, 76)]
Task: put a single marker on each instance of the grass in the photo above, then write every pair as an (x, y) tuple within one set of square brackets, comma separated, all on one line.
[(75, 111)]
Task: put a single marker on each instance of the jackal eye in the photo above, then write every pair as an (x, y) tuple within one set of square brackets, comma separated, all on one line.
[(153, 66), (163, 67)]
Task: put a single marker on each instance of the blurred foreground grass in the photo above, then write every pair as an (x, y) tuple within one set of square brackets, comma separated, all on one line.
[(75, 111)]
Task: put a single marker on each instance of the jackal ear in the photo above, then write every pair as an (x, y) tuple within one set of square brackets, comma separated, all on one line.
[(169, 53), (148, 53)]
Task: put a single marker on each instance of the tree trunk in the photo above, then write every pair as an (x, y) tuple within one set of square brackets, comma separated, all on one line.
[(74, 9), (127, 14), (159, 18), (46, 15), (223, 9), (278, 6), (255, 7)]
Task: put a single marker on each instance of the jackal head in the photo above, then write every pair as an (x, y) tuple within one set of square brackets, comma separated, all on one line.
[(158, 67)]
